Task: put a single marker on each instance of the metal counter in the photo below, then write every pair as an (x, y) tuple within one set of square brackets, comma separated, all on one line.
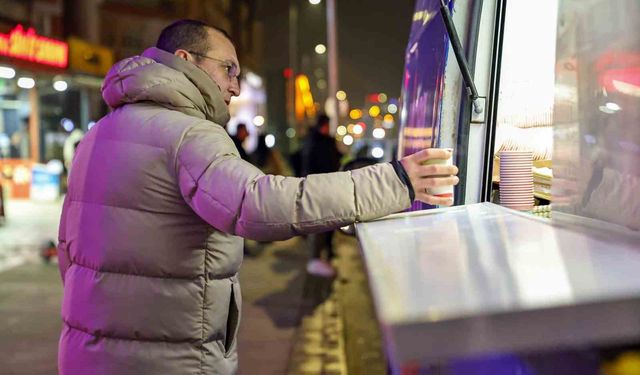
[(479, 279)]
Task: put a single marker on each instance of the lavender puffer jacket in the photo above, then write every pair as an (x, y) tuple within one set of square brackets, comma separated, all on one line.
[(150, 235)]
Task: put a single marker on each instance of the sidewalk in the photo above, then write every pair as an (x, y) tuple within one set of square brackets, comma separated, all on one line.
[(339, 333), (277, 294), (273, 284), (30, 297), (28, 226)]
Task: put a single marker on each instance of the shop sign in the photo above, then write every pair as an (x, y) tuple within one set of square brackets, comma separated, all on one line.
[(89, 58), (27, 45), (304, 103)]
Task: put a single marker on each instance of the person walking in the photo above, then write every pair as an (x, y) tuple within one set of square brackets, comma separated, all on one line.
[(238, 140), (320, 154)]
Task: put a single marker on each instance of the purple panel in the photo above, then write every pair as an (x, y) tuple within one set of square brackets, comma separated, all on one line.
[(423, 82)]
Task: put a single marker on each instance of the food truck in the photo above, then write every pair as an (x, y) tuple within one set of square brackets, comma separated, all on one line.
[(534, 270)]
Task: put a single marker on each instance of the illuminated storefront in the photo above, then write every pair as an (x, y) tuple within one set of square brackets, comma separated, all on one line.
[(27, 45), (26, 58), (48, 89)]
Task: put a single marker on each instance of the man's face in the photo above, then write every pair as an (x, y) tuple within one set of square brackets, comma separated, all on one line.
[(218, 64)]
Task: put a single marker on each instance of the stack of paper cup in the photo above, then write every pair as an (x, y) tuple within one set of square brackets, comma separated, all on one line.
[(516, 180)]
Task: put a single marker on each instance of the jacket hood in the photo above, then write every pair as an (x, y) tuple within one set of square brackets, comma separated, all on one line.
[(163, 78)]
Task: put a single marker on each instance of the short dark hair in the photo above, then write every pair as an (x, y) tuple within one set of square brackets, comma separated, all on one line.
[(322, 120), (190, 35)]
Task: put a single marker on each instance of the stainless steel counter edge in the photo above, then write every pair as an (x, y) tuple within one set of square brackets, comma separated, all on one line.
[(482, 278)]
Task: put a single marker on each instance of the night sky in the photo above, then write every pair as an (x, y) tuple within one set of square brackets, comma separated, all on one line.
[(372, 37)]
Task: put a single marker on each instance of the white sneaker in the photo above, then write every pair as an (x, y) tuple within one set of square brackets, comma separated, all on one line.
[(322, 268)]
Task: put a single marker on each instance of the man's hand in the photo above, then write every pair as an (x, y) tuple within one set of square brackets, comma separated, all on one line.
[(427, 176)]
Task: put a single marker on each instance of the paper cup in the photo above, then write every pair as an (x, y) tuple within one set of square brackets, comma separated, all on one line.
[(441, 191)]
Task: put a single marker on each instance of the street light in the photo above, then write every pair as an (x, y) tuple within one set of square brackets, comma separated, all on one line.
[(332, 59), (321, 49), (26, 82), (377, 152), (314, 2), (258, 121), (378, 133), (67, 124), (60, 85), (6, 72), (270, 140)]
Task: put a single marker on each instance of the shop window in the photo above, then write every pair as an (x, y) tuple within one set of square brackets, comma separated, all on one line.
[(526, 96)]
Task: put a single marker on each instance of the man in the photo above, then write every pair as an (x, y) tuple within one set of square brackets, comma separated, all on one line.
[(19, 148), (320, 153), (238, 139), (151, 231)]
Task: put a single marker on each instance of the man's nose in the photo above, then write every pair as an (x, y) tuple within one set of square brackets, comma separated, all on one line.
[(234, 88)]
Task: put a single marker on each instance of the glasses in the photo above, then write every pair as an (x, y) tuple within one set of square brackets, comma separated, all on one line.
[(232, 69)]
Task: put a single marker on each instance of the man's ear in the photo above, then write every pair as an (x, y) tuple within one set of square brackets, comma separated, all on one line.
[(183, 54)]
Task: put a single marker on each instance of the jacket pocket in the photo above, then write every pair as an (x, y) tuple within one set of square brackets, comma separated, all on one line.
[(233, 319)]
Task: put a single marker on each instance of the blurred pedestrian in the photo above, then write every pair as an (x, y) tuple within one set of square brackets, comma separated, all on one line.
[(150, 239), (320, 154), (238, 139), (269, 159), (295, 160), (19, 147), (70, 146)]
